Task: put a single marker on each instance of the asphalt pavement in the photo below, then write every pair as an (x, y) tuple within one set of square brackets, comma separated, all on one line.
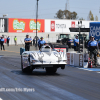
[(72, 83)]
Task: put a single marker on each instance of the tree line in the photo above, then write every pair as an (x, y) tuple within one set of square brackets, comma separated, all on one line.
[(65, 14)]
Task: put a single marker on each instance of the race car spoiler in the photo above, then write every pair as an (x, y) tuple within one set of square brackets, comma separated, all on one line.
[(60, 48)]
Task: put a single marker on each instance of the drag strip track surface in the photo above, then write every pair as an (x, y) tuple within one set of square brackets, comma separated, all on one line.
[(68, 84)]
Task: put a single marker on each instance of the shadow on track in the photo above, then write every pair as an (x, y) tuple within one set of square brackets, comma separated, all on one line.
[(35, 73)]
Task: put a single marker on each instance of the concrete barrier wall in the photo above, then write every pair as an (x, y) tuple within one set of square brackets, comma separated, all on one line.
[(21, 36), (75, 59)]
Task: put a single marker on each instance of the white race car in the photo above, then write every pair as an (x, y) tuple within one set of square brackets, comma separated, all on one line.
[(46, 57)]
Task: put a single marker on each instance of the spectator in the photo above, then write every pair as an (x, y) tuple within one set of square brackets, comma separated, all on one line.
[(34, 41), (8, 39), (88, 43), (93, 45), (76, 43), (27, 41), (31, 41), (0, 40), (2, 43), (41, 43), (69, 42), (15, 40)]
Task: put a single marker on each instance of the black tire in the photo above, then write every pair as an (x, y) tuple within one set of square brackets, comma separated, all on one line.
[(51, 70), (29, 70), (26, 69), (23, 70)]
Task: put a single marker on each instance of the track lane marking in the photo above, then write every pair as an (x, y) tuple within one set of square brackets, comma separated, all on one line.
[(11, 51)]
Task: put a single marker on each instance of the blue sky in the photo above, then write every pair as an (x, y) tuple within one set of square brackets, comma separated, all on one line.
[(47, 8)]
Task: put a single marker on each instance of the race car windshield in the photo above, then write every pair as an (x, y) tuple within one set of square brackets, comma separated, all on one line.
[(45, 49)]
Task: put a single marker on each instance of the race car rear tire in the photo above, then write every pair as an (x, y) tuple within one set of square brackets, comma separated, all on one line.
[(29, 70), (51, 70)]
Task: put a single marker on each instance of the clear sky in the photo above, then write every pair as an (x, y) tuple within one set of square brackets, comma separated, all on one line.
[(47, 8)]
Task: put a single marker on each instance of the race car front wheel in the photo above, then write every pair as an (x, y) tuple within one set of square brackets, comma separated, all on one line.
[(51, 70), (23, 70), (28, 69)]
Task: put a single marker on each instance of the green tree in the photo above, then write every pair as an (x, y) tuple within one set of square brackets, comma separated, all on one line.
[(91, 16), (81, 18), (66, 14), (60, 14), (73, 15), (96, 18)]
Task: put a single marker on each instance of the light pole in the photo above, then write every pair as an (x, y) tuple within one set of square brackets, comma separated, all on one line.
[(83, 41), (79, 26), (5, 15), (36, 22)]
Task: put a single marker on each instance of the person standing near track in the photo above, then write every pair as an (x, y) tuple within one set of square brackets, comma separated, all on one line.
[(69, 42), (2, 43), (88, 43), (93, 45), (8, 39), (76, 43), (99, 44), (31, 40), (41, 42), (15, 40), (27, 41), (34, 41)]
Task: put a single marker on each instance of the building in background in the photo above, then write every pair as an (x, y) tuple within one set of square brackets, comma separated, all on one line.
[(50, 29)]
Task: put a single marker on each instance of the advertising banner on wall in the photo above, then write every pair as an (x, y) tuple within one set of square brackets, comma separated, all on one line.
[(57, 26), (95, 30), (3, 25), (26, 25), (62, 26)]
